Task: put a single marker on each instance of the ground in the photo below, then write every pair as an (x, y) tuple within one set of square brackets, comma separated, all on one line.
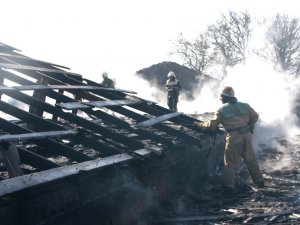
[(277, 203)]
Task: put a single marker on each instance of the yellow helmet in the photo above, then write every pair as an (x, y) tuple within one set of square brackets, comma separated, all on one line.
[(228, 91), (104, 74)]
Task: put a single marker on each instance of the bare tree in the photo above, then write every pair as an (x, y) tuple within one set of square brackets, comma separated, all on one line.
[(197, 55), (284, 37), (230, 36)]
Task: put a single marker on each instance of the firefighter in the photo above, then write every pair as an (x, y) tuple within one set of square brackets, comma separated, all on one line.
[(173, 86), (107, 82), (238, 119)]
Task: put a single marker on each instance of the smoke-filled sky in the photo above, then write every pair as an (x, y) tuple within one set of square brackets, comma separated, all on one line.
[(117, 36)]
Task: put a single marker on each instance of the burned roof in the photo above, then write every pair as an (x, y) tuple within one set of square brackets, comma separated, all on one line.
[(58, 118)]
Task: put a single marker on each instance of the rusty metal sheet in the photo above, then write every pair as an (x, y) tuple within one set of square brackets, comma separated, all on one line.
[(36, 135), (72, 105), (100, 104), (158, 119)]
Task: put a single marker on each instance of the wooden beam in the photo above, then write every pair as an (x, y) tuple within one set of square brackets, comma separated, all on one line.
[(35, 135), (80, 121), (72, 105), (152, 109), (158, 119), (18, 183), (5, 88), (49, 144), (35, 160), (62, 87), (19, 56), (9, 47), (100, 104), (33, 68)]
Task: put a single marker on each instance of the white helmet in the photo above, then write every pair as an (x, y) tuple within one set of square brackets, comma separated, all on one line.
[(104, 75), (171, 74), (228, 91)]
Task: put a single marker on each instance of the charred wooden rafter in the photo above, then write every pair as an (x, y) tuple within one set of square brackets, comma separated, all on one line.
[(49, 143), (87, 97), (99, 114)]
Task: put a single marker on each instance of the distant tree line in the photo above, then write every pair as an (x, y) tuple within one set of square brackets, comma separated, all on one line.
[(226, 43)]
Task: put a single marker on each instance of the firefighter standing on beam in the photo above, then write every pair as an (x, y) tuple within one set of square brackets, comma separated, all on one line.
[(173, 86), (107, 82)]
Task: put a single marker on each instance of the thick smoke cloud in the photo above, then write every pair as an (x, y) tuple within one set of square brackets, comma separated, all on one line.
[(272, 94)]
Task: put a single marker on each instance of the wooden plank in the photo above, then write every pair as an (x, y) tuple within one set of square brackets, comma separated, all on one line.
[(158, 119), (136, 98), (100, 104), (19, 56), (5, 88), (18, 183), (51, 87), (35, 160), (54, 146), (33, 68), (9, 47), (35, 135), (86, 87), (63, 87), (72, 105)]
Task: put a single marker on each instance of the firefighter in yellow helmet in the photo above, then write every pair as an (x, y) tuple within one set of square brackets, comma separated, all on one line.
[(238, 119), (173, 87)]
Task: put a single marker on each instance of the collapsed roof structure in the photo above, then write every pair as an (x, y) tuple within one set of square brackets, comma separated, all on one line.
[(78, 141)]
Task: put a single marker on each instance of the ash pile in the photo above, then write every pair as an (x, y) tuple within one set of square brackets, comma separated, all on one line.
[(277, 203)]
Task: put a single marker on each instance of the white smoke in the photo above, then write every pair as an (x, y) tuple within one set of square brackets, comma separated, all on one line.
[(206, 99), (271, 94)]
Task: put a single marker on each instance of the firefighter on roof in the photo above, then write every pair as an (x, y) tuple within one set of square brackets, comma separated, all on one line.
[(173, 86), (107, 82)]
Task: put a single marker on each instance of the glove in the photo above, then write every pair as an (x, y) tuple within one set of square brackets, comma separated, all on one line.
[(251, 128), (198, 124)]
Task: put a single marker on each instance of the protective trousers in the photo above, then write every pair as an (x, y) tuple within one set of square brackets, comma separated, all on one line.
[(9, 155), (239, 146), (172, 100)]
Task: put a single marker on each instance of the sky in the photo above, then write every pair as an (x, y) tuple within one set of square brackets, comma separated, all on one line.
[(117, 36)]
